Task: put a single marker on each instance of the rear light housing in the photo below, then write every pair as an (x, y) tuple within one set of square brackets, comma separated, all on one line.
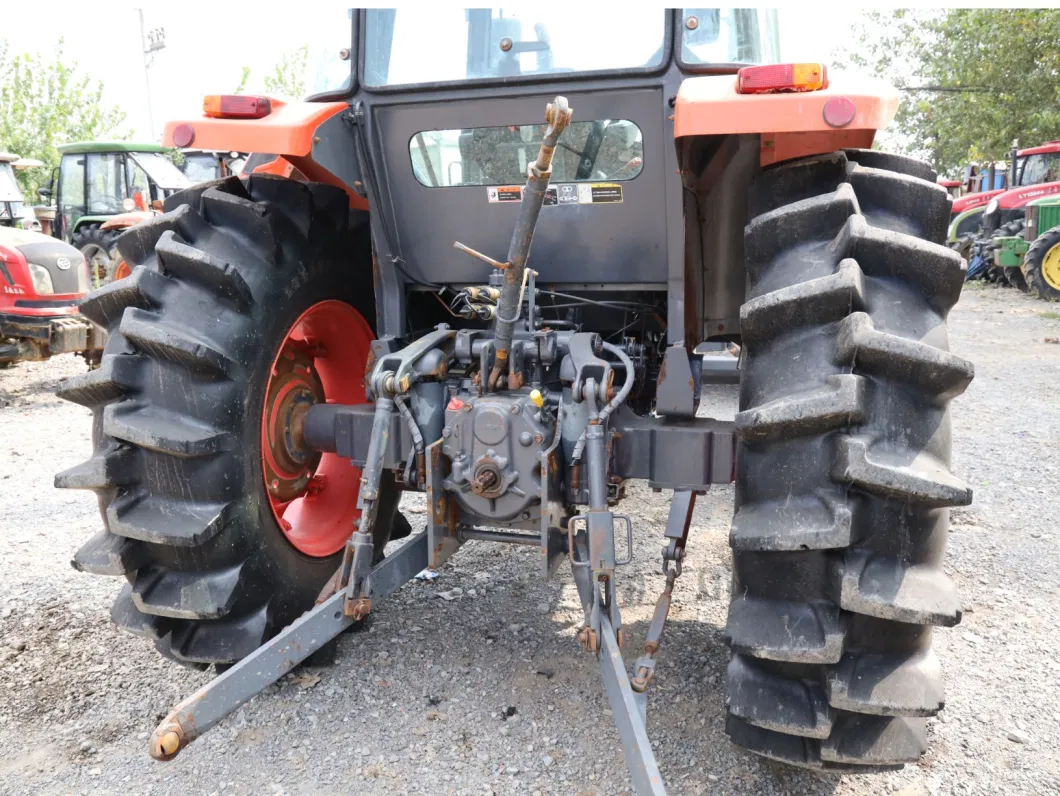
[(775, 78), (236, 106)]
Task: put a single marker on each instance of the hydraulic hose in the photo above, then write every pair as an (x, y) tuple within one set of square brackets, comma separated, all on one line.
[(615, 402)]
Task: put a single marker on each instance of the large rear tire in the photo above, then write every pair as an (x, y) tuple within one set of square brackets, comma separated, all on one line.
[(843, 472), (220, 287)]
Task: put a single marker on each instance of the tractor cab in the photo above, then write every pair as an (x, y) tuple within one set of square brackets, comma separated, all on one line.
[(98, 180), (14, 212), (1038, 164)]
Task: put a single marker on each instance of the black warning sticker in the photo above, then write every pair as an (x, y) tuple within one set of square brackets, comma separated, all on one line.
[(505, 193)]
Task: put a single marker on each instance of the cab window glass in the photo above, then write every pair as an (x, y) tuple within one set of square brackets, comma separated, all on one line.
[(72, 189), (1041, 168), (605, 149), (138, 180), (105, 183), (729, 36)]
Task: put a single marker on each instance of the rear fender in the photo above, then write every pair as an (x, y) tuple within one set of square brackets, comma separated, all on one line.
[(85, 221), (964, 223), (126, 220), (298, 134), (790, 125)]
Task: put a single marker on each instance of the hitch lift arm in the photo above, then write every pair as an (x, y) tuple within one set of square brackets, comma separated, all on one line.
[(271, 661)]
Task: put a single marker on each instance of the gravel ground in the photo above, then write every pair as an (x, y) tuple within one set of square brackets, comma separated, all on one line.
[(488, 693)]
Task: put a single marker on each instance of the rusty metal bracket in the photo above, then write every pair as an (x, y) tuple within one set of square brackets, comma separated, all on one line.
[(442, 512)]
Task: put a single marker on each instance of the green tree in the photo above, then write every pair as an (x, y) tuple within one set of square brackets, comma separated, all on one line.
[(243, 80), (972, 79), (45, 101), (287, 80)]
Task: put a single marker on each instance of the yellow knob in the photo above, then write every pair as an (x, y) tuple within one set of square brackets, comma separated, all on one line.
[(170, 742), (537, 399)]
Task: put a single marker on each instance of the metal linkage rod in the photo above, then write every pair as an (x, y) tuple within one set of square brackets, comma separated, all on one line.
[(629, 716), (271, 661), (677, 525), (558, 116)]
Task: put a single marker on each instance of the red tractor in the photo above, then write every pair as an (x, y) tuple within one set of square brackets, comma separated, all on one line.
[(41, 282), (297, 346), (1040, 164)]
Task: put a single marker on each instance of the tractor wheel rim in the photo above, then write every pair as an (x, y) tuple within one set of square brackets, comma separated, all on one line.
[(1051, 267), (121, 271), (313, 496)]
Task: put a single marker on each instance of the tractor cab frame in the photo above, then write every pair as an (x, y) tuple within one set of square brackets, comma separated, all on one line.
[(97, 180)]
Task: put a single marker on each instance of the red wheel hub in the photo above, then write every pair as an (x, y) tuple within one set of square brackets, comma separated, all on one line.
[(313, 496)]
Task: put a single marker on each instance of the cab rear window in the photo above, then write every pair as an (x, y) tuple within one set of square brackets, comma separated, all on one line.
[(605, 149)]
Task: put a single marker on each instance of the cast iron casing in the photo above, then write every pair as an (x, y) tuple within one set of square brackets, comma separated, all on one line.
[(494, 443)]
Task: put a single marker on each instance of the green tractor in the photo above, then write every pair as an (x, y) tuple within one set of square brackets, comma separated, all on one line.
[(101, 189), (1032, 259)]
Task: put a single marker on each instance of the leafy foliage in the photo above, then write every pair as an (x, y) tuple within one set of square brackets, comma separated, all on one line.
[(287, 80), (973, 79), (45, 101), (243, 81)]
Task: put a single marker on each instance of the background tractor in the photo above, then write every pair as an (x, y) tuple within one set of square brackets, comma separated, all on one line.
[(1027, 167), (1027, 250), (14, 212), (678, 188), (41, 282), (199, 166), (996, 251), (102, 188)]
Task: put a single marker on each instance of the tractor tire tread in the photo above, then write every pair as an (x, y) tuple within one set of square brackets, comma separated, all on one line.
[(210, 573), (1033, 261), (843, 475)]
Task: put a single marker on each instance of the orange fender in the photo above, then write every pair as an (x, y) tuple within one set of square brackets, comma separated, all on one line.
[(288, 131), (125, 220), (791, 124)]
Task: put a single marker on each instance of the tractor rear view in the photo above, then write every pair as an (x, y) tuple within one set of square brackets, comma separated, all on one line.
[(382, 307)]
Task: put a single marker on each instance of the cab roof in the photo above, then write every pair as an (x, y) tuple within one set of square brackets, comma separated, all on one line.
[(83, 147), (1045, 149)]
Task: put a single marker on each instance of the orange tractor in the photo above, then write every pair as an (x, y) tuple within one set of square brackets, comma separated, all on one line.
[(682, 191)]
